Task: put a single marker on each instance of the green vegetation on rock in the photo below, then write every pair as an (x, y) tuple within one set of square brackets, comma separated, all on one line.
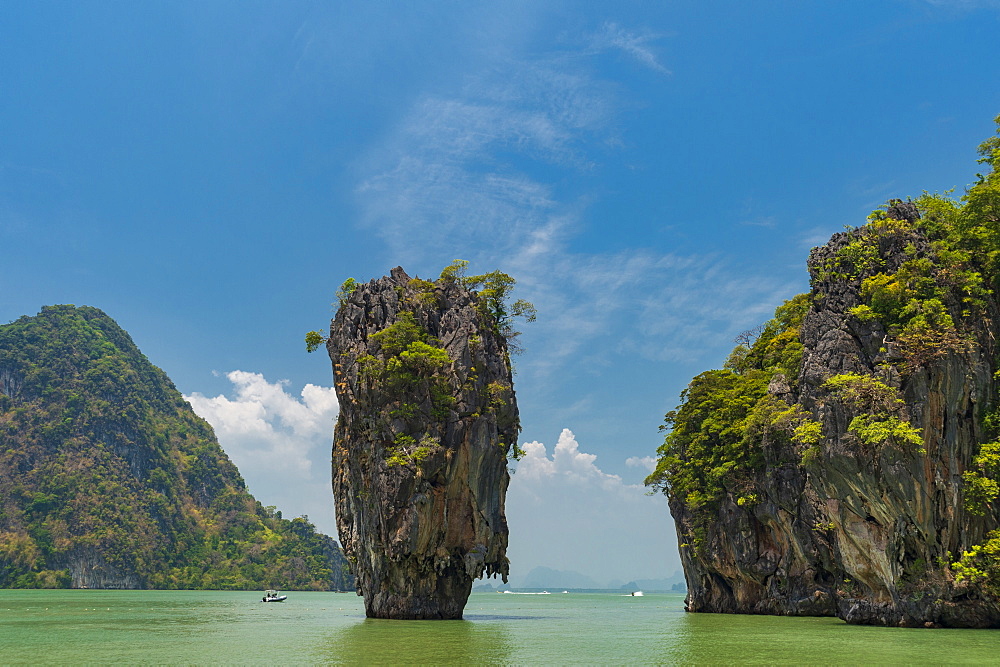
[(981, 485), (714, 439), (409, 363), (926, 273), (930, 301), (494, 289), (346, 289), (428, 419), (879, 422), (109, 479), (980, 565)]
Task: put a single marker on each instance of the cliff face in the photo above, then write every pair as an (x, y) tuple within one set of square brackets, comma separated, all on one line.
[(427, 417), (850, 500), (108, 479)]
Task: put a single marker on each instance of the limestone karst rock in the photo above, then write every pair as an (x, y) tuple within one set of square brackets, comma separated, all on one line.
[(427, 418), (841, 519)]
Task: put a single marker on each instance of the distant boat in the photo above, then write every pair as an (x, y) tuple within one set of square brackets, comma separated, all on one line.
[(273, 596), (637, 594)]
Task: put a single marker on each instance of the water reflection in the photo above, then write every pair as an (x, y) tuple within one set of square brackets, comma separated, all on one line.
[(197, 627), (378, 641), (784, 640)]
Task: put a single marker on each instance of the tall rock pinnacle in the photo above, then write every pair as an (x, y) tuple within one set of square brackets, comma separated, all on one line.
[(427, 418)]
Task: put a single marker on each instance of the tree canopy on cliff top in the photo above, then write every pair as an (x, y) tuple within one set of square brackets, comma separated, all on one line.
[(493, 288)]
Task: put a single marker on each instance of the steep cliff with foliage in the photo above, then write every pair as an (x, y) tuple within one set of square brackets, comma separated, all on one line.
[(846, 461), (109, 480), (427, 420)]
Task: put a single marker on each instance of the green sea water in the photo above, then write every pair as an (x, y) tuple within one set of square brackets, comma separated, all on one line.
[(198, 627)]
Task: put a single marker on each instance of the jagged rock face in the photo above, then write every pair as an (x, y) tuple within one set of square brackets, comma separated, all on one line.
[(865, 534), (420, 458)]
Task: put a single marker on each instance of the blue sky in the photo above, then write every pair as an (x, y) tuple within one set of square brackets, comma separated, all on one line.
[(654, 175)]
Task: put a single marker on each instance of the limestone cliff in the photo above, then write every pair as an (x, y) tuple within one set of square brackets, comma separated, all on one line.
[(427, 418), (825, 470)]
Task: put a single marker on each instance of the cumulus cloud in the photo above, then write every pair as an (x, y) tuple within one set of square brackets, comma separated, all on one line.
[(644, 462), (567, 463), (566, 513), (279, 441)]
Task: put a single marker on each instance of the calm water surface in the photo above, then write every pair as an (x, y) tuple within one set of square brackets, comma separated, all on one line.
[(133, 627)]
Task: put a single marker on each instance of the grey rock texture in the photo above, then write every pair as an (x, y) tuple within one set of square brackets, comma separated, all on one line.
[(90, 569), (862, 533), (418, 531)]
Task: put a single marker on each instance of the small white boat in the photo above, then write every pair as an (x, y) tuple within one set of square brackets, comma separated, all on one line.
[(273, 596)]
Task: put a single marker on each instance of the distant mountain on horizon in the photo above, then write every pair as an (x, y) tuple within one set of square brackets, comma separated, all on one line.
[(547, 577), (673, 583)]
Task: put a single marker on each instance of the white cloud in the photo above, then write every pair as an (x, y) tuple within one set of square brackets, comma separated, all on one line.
[(480, 174), (635, 45), (659, 306), (644, 462), (567, 463), (451, 173), (280, 442), (566, 513)]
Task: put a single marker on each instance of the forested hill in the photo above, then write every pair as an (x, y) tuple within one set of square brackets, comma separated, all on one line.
[(108, 479)]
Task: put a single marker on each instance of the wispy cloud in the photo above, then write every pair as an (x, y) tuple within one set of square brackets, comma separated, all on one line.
[(456, 171), (635, 45), (280, 442), (814, 236), (661, 306), (487, 174), (768, 221)]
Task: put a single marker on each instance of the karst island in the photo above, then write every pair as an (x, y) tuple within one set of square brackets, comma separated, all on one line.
[(845, 460), (427, 422)]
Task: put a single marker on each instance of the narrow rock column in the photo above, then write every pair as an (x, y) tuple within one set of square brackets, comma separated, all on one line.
[(427, 418)]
